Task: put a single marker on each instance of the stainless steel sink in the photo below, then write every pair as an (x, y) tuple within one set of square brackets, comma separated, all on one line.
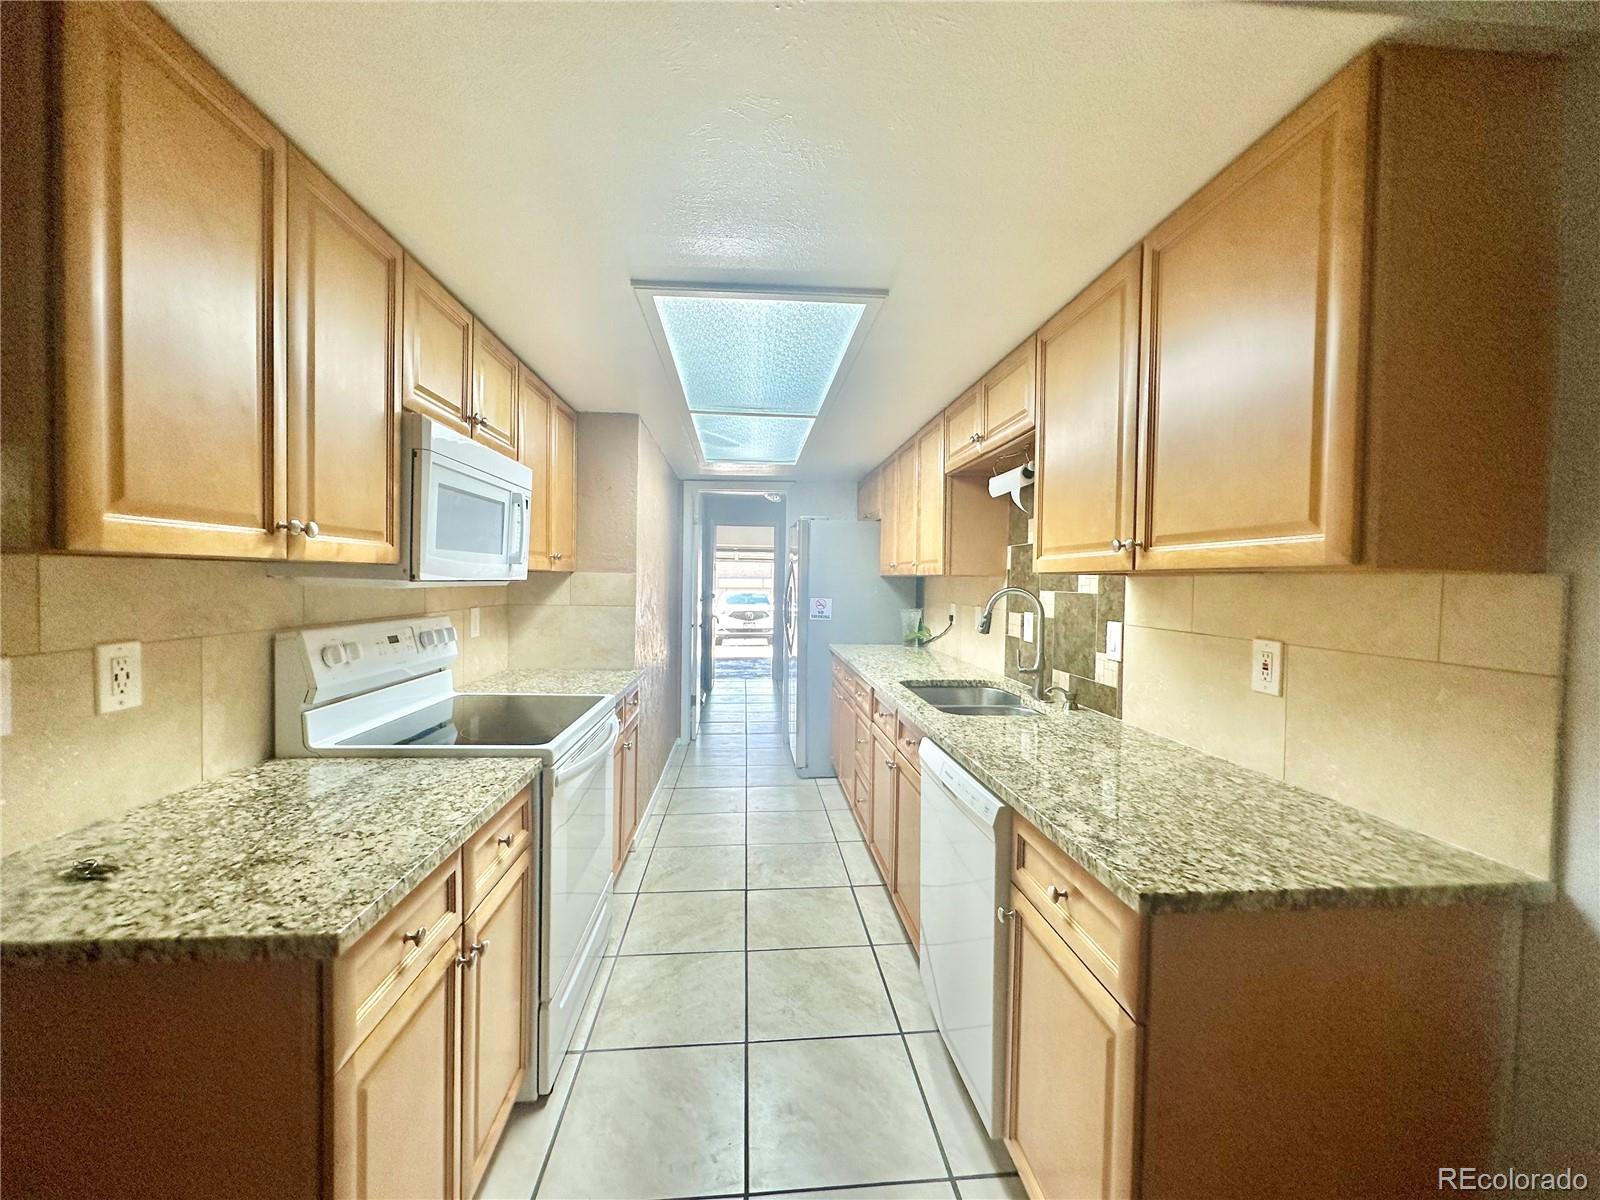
[(971, 700)]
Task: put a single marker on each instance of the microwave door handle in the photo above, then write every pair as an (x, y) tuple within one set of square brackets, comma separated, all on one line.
[(518, 552)]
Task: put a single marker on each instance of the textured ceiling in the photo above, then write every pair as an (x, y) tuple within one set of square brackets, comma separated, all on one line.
[(981, 162)]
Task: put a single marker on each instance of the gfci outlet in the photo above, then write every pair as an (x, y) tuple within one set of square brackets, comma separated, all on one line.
[(119, 676), (1266, 667)]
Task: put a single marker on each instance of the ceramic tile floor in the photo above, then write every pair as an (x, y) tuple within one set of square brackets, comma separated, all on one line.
[(758, 1027)]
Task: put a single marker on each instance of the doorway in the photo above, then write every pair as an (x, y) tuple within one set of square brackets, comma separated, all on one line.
[(744, 618)]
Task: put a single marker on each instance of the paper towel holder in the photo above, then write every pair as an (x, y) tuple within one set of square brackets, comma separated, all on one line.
[(1010, 483)]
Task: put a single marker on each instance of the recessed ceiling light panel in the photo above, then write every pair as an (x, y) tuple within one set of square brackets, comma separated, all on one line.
[(755, 366)]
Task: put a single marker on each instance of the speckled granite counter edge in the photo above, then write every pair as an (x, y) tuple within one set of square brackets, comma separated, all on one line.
[(1515, 887)]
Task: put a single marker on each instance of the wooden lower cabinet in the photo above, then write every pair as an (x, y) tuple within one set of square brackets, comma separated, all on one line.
[(906, 891), (496, 1016), (1073, 1073), (880, 840), (625, 777), (397, 1102)]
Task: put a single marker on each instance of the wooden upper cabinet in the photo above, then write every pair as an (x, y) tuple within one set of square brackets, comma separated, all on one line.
[(171, 236), (438, 360), (535, 402), (1252, 349), (1008, 397), (495, 371), (869, 497), (1088, 401), (930, 499), (343, 337), (963, 428), (563, 487), (907, 490), (497, 1007), (1072, 1069), (888, 490), (397, 1102)]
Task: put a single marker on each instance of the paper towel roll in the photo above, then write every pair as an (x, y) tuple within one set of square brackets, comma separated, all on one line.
[(1010, 483)]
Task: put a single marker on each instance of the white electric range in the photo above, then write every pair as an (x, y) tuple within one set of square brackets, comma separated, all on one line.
[(386, 688)]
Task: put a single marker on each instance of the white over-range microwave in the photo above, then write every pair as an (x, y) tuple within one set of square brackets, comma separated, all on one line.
[(464, 512)]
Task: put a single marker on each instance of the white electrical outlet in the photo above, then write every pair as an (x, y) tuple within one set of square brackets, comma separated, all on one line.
[(1047, 601), (1114, 641), (474, 622), (119, 676), (1266, 667)]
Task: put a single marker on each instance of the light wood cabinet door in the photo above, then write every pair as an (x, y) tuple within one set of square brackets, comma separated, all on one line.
[(861, 794), (625, 782), (438, 357), (1008, 397), (172, 260), (883, 787), (930, 499), (869, 498), (397, 1101), (888, 504), (963, 428), (1083, 495), (497, 1000), (495, 375), (563, 487), (907, 491), (534, 401), (1252, 312), (841, 751), (908, 847), (1072, 1069), (343, 334)]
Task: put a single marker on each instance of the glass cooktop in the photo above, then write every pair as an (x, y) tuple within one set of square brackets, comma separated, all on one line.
[(479, 720)]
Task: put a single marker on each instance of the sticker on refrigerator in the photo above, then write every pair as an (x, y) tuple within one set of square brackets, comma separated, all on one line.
[(822, 608)]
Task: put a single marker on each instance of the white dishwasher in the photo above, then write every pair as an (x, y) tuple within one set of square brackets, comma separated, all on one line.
[(966, 835)]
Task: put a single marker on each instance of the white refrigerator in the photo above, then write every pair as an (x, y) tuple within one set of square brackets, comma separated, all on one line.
[(832, 592)]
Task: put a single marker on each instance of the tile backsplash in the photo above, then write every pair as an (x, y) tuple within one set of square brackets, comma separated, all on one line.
[(206, 630), (1075, 633)]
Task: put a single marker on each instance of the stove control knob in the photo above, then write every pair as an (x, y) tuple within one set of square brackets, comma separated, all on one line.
[(352, 651), (426, 637), (333, 654)]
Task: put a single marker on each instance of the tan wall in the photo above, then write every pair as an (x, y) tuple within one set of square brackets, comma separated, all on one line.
[(1433, 701), (657, 640), (968, 594), (206, 629), (1557, 1108), (608, 491), (582, 619)]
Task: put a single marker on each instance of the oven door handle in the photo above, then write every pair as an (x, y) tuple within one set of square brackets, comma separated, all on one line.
[(579, 766)]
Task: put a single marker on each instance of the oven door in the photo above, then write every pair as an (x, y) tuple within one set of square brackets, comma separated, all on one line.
[(465, 523)]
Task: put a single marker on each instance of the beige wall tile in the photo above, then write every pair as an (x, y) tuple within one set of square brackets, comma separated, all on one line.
[(1195, 689), (571, 636), (541, 587), (457, 599), (1371, 613), (65, 766), (236, 673), (1160, 601), (19, 604), (485, 654), (85, 600), (1510, 622), (346, 604), (1463, 754), (608, 491), (603, 587)]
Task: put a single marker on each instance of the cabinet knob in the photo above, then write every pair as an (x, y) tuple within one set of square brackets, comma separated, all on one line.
[(1057, 895), (297, 527), (555, 556), (480, 948), (465, 960), (1122, 543), (977, 437), (1004, 914), (506, 839), (628, 745), (415, 936)]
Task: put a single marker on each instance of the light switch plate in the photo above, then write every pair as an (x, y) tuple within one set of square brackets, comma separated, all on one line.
[(1089, 583), (1030, 531), (119, 676), (1266, 667), (1027, 626), (1047, 601), (1114, 641), (474, 622), (1106, 671), (1013, 624)]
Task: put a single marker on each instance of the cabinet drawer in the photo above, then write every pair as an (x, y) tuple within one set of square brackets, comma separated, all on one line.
[(883, 715), (628, 706), (369, 977), (1103, 931), (495, 847), (908, 741)]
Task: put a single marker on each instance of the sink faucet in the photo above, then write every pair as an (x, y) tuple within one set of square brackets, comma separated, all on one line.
[(1037, 669)]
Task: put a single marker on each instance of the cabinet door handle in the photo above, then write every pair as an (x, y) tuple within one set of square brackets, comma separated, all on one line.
[(465, 960), (1057, 895), (506, 839), (1120, 544), (415, 936), (296, 527), (1004, 914), (480, 948), (555, 556)]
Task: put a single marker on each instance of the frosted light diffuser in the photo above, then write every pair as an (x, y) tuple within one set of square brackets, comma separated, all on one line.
[(753, 355), (737, 438), (755, 365)]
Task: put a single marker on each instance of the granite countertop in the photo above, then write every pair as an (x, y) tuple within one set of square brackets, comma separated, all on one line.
[(295, 858), (557, 681), (1168, 828)]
